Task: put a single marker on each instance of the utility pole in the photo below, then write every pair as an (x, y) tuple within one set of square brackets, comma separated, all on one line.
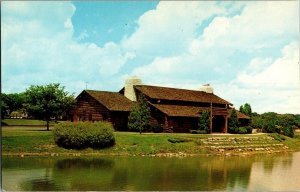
[(86, 83)]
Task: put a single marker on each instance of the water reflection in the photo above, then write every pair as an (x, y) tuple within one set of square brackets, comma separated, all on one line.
[(151, 173)]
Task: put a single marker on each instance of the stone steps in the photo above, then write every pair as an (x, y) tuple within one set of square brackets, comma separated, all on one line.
[(242, 144)]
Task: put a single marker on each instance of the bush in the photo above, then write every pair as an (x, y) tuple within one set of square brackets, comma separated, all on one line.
[(203, 122), (156, 128), (81, 135), (178, 140), (198, 131), (288, 131), (242, 130)]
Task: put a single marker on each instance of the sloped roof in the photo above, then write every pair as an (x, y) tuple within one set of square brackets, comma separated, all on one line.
[(167, 93), (240, 115), (113, 101), (189, 111), (180, 111)]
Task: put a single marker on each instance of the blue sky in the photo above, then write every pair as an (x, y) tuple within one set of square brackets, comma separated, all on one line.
[(248, 51)]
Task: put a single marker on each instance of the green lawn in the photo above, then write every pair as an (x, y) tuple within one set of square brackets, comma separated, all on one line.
[(37, 141), (20, 122)]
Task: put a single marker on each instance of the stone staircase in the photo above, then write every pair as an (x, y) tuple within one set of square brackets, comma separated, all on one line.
[(243, 144)]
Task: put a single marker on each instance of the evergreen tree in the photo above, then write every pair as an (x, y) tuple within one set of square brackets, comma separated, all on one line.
[(203, 123), (233, 122), (139, 117), (247, 109), (241, 109)]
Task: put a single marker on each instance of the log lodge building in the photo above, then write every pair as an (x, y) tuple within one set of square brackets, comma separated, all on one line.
[(176, 110)]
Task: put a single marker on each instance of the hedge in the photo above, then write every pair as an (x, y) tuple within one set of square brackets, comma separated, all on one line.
[(82, 135)]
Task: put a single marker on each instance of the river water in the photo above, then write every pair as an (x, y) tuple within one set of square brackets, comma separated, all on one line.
[(275, 172)]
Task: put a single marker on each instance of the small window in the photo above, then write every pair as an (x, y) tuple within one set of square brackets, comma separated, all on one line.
[(90, 117)]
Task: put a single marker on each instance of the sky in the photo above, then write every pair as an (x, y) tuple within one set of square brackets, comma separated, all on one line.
[(247, 50)]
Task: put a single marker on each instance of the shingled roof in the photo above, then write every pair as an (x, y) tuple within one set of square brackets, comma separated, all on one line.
[(240, 115), (180, 111), (174, 94), (113, 101), (189, 111)]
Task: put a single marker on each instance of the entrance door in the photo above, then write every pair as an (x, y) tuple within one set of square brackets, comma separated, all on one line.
[(218, 124)]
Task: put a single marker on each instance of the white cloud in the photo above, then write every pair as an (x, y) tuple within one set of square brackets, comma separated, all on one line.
[(284, 72), (249, 41), (275, 87), (37, 43), (237, 47), (169, 28)]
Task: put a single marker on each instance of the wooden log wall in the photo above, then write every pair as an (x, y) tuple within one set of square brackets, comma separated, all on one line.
[(88, 109)]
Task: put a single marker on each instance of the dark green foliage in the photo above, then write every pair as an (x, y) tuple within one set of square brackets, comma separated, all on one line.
[(11, 102), (44, 102), (178, 140), (242, 130), (233, 122), (198, 131), (249, 129), (288, 131), (81, 135), (275, 123), (257, 122), (246, 109), (139, 117), (203, 123), (156, 128)]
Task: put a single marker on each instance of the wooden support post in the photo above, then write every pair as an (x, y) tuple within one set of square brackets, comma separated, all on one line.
[(226, 123), (210, 119), (226, 120)]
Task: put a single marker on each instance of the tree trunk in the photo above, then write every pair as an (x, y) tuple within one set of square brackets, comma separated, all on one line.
[(47, 124)]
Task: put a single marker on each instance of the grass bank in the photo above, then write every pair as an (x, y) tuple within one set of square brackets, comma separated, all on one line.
[(26, 122), (36, 141)]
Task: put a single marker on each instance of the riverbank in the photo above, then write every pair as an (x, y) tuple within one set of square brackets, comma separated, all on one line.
[(34, 141)]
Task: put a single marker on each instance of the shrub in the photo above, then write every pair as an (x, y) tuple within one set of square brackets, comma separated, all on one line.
[(242, 130), (198, 131), (233, 122), (177, 140), (81, 135), (203, 122), (156, 128), (288, 131)]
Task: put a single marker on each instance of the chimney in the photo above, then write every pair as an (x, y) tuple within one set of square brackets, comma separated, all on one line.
[(207, 88), (129, 90)]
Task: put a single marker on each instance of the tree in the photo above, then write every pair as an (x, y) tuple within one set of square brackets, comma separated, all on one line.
[(233, 122), (48, 101), (12, 102), (203, 123), (139, 117), (246, 109)]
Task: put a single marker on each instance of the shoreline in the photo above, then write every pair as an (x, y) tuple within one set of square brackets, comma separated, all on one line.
[(35, 141), (179, 154)]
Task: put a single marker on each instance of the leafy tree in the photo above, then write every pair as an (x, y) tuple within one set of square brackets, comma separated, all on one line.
[(12, 102), (4, 108), (286, 123), (257, 122), (48, 101), (203, 123), (139, 117), (233, 122), (246, 109), (269, 122)]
